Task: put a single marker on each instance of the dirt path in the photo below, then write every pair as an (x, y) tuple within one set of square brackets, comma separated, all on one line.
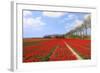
[(78, 57)]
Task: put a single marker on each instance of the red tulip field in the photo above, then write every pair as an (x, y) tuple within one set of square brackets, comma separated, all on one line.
[(55, 49)]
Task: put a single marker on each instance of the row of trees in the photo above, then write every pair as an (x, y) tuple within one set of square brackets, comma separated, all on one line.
[(83, 30)]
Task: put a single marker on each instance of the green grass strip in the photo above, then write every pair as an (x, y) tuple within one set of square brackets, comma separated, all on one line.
[(46, 58)]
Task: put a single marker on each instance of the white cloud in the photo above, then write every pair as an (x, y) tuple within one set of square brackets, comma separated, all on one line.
[(35, 23), (73, 25), (77, 23), (27, 13), (53, 14), (70, 17)]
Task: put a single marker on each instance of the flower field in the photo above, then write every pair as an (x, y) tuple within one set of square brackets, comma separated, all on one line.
[(55, 49)]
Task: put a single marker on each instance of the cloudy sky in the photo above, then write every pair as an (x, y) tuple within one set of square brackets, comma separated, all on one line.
[(41, 23)]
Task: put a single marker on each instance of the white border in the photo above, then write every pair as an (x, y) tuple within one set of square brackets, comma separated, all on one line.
[(17, 38)]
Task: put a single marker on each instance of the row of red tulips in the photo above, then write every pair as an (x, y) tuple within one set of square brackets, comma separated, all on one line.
[(82, 47), (37, 52)]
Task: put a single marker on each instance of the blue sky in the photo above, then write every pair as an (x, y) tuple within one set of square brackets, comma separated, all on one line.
[(41, 23)]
